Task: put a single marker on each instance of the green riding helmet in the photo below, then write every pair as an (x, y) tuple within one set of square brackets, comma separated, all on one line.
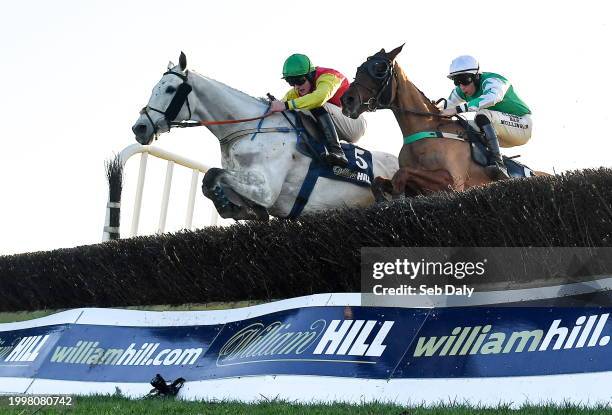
[(297, 65)]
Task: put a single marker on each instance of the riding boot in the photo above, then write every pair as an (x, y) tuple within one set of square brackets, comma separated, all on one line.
[(496, 170), (334, 155)]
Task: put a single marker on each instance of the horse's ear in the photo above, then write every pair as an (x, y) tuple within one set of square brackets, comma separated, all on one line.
[(393, 54), (183, 61), (171, 65), (382, 50)]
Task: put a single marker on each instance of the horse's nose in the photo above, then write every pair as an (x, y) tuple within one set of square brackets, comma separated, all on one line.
[(348, 104), (349, 100), (139, 130)]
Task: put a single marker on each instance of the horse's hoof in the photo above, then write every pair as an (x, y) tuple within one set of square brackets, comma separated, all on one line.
[(261, 213), (248, 213), (496, 172), (225, 208), (382, 189), (379, 196)]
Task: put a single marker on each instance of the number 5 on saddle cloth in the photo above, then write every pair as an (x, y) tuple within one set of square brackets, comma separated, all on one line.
[(359, 170)]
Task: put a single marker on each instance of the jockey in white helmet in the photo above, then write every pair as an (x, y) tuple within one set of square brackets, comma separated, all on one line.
[(500, 114)]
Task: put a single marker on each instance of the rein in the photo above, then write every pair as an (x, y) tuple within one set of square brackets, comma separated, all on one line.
[(415, 112), (184, 124)]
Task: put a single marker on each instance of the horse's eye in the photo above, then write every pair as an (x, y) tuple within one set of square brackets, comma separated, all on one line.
[(170, 90)]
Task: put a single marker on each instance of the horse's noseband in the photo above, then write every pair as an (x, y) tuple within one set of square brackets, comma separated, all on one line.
[(372, 104), (178, 100)]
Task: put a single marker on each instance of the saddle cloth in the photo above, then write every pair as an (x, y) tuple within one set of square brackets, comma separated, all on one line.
[(482, 156), (310, 143)]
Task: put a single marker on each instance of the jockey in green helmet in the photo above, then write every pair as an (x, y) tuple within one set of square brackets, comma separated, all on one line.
[(318, 90), (297, 65)]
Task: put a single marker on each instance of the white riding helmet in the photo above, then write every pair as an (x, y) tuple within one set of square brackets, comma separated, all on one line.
[(463, 64)]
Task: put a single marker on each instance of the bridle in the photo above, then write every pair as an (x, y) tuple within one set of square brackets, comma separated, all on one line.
[(382, 75), (381, 70), (179, 99)]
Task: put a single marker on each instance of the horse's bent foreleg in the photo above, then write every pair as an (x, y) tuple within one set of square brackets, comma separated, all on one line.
[(410, 181), (251, 185), (380, 187), (218, 186)]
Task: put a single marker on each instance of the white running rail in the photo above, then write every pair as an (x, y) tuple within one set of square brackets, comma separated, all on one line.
[(172, 159)]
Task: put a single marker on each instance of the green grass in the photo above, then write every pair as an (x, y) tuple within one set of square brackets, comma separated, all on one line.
[(11, 317), (102, 405)]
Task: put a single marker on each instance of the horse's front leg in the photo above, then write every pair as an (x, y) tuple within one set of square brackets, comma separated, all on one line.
[(238, 194), (412, 182), (381, 187)]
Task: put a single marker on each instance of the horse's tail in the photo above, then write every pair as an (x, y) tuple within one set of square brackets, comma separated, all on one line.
[(114, 174)]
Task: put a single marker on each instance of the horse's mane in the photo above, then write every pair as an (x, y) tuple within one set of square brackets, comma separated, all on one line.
[(234, 90), (401, 75)]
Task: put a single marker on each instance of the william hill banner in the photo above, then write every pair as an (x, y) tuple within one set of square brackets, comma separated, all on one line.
[(345, 341)]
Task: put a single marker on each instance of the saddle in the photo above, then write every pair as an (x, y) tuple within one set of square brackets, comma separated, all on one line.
[(312, 140), (482, 156)]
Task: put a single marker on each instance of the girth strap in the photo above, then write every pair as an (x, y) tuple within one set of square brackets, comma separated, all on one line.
[(431, 134), (307, 186)]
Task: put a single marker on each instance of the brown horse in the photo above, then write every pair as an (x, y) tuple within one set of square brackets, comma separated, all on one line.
[(442, 162)]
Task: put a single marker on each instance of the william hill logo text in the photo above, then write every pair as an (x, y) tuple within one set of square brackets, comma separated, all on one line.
[(278, 340), (352, 175), (586, 332), (90, 353), (26, 350)]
